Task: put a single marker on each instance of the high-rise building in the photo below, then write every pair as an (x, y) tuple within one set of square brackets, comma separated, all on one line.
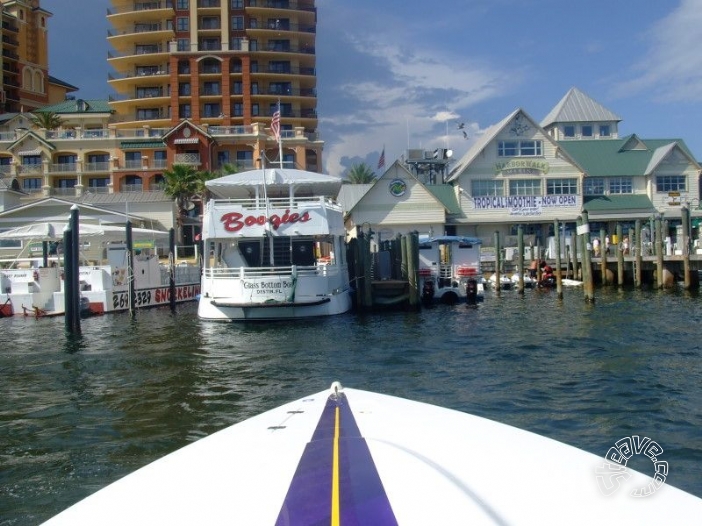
[(220, 69), (25, 84)]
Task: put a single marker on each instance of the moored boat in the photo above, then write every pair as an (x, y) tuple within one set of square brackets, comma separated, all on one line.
[(274, 247), (448, 267), (349, 456)]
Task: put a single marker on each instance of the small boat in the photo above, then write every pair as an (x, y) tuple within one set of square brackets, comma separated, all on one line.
[(505, 282), (449, 269), (529, 282), (274, 247), (348, 456)]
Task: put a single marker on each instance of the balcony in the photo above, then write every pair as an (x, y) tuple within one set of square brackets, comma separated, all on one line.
[(68, 192), (187, 158), (132, 188), (97, 167), (63, 168), (27, 169), (140, 6)]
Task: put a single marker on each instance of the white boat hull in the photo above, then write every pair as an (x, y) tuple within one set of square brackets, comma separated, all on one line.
[(356, 457)]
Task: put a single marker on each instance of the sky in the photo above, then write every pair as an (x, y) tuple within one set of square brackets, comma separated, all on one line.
[(399, 74)]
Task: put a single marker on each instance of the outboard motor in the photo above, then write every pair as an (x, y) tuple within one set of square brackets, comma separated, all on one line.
[(428, 292), (472, 292)]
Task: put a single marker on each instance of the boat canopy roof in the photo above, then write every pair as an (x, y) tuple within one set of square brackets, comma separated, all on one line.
[(424, 240), (278, 183)]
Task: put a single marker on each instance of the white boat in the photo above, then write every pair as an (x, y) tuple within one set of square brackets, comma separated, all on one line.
[(347, 456), (529, 282), (39, 291), (446, 266), (275, 247), (505, 282)]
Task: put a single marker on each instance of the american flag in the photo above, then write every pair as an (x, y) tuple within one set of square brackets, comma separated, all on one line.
[(275, 123), (381, 161)]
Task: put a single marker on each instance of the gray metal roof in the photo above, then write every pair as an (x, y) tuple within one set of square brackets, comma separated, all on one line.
[(575, 106)]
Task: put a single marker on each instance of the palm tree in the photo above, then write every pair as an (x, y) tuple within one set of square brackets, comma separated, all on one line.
[(182, 182), (360, 174), (47, 120)]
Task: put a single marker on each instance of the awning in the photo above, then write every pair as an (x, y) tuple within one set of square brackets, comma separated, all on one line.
[(189, 140), (136, 145), (36, 151)]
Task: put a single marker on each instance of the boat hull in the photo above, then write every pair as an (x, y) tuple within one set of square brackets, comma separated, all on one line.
[(346, 456), (223, 310)]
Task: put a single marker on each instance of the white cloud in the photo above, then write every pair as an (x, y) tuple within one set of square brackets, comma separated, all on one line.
[(411, 90), (672, 67)]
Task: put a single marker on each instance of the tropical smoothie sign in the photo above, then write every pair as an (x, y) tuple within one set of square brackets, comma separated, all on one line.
[(525, 205)]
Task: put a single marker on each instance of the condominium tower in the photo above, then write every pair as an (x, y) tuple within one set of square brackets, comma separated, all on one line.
[(224, 66)]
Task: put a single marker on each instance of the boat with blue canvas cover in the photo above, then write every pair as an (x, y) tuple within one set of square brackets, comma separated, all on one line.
[(346, 456)]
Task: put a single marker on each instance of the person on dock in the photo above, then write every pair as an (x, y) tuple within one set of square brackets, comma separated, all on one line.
[(596, 247), (533, 266)]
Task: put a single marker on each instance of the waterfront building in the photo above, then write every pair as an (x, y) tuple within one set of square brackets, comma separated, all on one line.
[(520, 172), (204, 83), (25, 83), (233, 68)]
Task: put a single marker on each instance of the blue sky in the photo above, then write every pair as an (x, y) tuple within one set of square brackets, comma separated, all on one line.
[(403, 73)]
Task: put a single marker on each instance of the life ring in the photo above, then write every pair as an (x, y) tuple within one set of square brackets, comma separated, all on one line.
[(36, 276)]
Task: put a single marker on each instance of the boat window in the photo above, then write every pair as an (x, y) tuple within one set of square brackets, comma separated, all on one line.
[(303, 253)]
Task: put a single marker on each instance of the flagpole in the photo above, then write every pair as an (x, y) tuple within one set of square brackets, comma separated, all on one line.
[(280, 138)]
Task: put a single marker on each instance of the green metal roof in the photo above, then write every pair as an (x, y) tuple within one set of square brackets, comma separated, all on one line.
[(629, 156), (136, 145), (618, 203), (446, 195), (79, 106)]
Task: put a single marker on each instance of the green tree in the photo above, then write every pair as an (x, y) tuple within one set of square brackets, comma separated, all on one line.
[(360, 173), (47, 120)]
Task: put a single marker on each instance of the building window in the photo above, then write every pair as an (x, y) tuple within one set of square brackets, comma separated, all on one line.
[(209, 22), (620, 185), (255, 112), (569, 131), (183, 45), (671, 183), (237, 23), (237, 88), (244, 158), (148, 114), (212, 110), (184, 111), (184, 89), (586, 130), (183, 5), (594, 186), (525, 187), (487, 187), (98, 182), (33, 183), (238, 109), (605, 130), (210, 44), (132, 159), (160, 159), (237, 4), (31, 160), (182, 23), (235, 44), (561, 186), (211, 88), (65, 183), (222, 158), (519, 148)]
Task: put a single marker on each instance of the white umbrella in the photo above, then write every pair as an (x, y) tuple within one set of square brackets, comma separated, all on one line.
[(53, 231)]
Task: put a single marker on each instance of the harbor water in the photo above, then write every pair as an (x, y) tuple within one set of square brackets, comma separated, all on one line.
[(79, 413)]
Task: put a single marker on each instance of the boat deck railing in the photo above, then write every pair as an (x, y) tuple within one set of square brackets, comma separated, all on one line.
[(268, 272), (276, 203)]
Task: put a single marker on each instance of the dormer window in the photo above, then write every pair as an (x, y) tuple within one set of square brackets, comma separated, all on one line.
[(586, 130), (605, 130), (569, 131)]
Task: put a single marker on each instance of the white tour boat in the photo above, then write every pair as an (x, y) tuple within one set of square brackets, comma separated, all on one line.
[(446, 265), (347, 456), (39, 291), (274, 247)]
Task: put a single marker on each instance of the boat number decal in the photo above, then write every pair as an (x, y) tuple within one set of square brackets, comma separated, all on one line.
[(613, 472), (235, 221), (153, 297)]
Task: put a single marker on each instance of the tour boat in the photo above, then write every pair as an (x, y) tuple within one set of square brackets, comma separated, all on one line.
[(104, 286), (353, 457), (446, 266), (274, 247)]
